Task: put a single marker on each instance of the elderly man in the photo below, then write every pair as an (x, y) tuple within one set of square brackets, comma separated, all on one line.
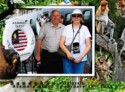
[(48, 40)]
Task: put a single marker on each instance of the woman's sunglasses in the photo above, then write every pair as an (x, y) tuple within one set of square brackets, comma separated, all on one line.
[(76, 15)]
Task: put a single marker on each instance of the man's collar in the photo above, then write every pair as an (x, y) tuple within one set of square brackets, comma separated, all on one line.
[(59, 25)]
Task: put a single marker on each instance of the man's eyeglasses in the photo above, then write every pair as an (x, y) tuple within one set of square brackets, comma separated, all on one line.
[(76, 15)]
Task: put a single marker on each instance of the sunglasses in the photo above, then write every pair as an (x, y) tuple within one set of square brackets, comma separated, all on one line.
[(76, 15)]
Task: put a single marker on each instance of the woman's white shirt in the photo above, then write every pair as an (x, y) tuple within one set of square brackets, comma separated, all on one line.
[(81, 37)]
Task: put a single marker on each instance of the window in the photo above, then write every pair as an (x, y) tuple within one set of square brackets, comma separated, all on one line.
[(68, 17), (87, 15)]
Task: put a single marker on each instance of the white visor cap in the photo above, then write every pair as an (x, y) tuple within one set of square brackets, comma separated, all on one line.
[(77, 11)]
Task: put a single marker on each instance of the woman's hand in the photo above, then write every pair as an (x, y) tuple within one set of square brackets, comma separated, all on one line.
[(78, 60), (69, 56), (62, 46)]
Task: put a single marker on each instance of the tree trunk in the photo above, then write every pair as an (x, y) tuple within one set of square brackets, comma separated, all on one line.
[(111, 47), (119, 71)]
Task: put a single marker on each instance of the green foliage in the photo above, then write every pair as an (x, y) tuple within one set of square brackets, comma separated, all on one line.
[(1, 32), (57, 84), (3, 6), (1, 84), (109, 86), (60, 84), (92, 82), (19, 5)]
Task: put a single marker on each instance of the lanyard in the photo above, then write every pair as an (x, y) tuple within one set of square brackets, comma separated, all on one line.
[(74, 36)]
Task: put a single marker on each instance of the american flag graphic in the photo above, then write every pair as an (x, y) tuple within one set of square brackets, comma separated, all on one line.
[(19, 40)]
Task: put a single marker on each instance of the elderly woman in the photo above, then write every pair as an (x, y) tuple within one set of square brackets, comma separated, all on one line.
[(76, 59)]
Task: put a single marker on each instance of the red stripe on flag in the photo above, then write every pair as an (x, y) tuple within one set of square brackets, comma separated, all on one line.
[(21, 32)]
